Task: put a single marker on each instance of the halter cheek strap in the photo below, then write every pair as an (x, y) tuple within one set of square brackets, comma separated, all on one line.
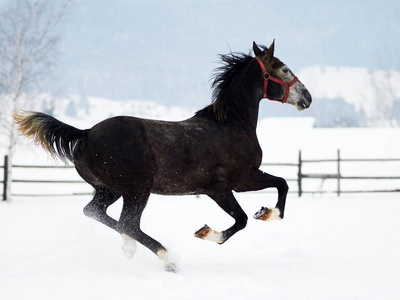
[(268, 77)]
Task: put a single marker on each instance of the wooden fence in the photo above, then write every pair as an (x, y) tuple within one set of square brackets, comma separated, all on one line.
[(297, 183)]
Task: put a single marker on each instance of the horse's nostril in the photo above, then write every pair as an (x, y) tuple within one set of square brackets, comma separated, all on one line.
[(301, 105)]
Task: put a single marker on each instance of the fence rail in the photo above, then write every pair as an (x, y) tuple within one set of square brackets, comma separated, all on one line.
[(297, 168)]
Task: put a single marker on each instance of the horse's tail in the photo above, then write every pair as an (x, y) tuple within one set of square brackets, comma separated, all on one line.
[(56, 137)]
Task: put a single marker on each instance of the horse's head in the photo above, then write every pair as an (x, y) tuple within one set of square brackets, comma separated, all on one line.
[(280, 84)]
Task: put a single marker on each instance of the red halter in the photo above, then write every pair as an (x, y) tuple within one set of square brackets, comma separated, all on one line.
[(268, 76)]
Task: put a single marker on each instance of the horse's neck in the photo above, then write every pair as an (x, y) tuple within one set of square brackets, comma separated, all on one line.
[(250, 114), (246, 103), (240, 103)]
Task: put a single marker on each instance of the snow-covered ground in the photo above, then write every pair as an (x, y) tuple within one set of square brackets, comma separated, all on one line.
[(325, 248)]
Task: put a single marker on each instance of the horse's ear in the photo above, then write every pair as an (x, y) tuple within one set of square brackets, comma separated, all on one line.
[(257, 51), (271, 49)]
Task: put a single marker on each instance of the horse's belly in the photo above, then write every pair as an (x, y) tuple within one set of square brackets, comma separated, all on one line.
[(192, 181), (183, 184), (178, 186)]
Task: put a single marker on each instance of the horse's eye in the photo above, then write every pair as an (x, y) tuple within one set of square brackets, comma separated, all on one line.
[(285, 70)]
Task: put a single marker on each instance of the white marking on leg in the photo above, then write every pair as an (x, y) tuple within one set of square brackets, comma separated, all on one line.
[(214, 236), (275, 215), (168, 260), (128, 246)]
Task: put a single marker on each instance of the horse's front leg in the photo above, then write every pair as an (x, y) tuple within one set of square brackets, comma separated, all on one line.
[(259, 180), (229, 204)]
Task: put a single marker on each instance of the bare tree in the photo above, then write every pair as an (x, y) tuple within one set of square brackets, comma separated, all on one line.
[(28, 40)]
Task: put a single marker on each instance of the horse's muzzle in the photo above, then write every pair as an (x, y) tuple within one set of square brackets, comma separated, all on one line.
[(305, 102)]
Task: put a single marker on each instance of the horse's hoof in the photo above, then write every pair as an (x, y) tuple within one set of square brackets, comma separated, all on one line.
[(202, 232), (267, 214), (168, 260), (171, 267), (128, 246), (206, 233)]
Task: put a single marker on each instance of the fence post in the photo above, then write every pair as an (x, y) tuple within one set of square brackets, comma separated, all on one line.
[(300, 176), (338, 172), (5, 177)]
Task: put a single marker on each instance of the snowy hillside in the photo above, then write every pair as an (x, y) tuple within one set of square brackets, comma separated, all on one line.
[(374, 93), (85, 112), (342, 97)]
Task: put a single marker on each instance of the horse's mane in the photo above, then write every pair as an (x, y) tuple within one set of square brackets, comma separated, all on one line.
[(223, 80)]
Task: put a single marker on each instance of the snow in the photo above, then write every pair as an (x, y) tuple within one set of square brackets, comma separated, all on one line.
[(325, 248)]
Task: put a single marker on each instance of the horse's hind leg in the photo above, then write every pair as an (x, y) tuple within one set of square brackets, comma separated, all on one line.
[(97, 208), (230, 205), (129, 224)]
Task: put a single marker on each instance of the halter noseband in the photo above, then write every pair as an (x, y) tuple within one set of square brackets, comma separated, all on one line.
[(268, 76)]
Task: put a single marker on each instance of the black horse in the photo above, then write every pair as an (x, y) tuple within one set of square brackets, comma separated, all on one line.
[(214, 153)]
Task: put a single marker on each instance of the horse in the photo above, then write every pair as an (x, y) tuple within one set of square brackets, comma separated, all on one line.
[(215, 152)]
